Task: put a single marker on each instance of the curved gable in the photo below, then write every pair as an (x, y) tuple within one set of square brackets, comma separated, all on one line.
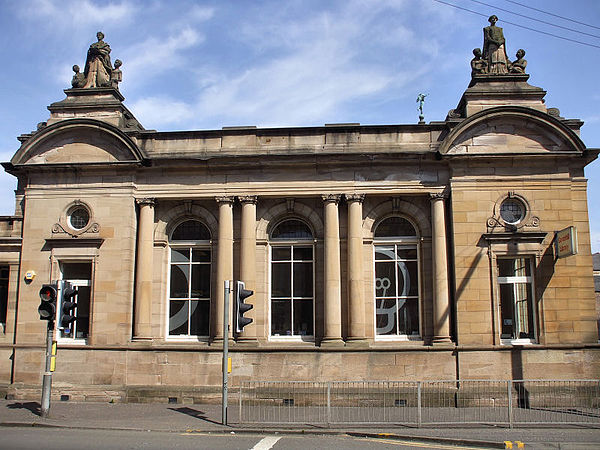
[(511, 130), (78, 141)]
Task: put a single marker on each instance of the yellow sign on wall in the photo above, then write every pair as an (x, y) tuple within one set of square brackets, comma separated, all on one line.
[(566, 242)]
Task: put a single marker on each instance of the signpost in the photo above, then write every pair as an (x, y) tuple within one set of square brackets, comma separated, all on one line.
[(566, 242), (225, 352)]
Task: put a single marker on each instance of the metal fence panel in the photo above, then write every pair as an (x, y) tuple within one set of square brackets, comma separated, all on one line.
[(421, 402)]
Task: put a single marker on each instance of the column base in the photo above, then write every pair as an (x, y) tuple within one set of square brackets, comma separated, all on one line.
[(332, 342), (357, 342), (442, 341), (141, 338), (243, 340)]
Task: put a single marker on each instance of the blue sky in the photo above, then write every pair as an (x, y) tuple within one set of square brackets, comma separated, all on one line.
[(208, 64)]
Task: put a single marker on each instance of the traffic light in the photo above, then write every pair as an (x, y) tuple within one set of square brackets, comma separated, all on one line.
[(47, 308), (241, 308), (67, 305)]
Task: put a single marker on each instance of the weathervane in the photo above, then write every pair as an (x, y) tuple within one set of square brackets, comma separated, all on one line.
[(420, 101)]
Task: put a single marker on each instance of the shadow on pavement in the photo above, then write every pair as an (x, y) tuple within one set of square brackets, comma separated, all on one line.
[(194, 413), (34, 407)]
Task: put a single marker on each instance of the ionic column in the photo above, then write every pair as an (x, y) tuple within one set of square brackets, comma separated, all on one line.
[(224, 262), (356, 306), (441, 298), (142, 327), (248, 256), (332, 288)]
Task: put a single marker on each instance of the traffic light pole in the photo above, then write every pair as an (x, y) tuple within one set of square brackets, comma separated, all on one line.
[(225, 352), (47, 381)]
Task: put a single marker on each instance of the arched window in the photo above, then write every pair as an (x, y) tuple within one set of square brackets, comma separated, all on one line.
[(292, 274), (189, 280), (396, 279)]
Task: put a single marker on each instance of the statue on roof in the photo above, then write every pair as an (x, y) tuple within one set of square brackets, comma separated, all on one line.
[(494, 50), (519, 65), (98, 70), (478, 64)]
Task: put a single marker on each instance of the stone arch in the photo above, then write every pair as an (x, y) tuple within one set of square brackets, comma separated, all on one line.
[(410, 211), (78, 141), (170, 219), (507, 121), (280, 211)]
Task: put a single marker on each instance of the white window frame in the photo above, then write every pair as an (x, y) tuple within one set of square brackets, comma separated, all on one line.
[(290, 243), (406, 243), (204, 245), (76, 283), (515, 281)]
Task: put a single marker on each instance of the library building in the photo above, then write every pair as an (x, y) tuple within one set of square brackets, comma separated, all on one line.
[(449, 250)]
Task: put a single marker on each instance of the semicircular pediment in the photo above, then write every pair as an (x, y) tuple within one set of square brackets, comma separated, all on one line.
[(511, 130), (77, 141)]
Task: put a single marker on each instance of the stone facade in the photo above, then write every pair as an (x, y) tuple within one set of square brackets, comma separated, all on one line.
[(466, 209)]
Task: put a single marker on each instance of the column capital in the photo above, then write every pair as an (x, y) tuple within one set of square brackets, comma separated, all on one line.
[(146, 201), (224, 199), (438, 195), (248, 199), (354, 197), (329, 198)]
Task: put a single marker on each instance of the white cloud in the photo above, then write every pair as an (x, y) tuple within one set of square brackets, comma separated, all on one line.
[(161, 110), (156, 55), (77, 13)]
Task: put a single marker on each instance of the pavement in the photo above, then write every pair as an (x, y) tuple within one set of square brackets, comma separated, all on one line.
[(206, 418)]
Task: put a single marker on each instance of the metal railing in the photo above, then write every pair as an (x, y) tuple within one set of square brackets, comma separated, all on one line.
[(421, 402)]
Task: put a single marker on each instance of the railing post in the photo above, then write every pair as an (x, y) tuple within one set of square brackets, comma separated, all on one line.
[(509, 392), (240, 394), (419, 418), (328, 403)]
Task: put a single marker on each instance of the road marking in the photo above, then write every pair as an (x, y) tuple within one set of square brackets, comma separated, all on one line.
[(415, 444), (266, 443)]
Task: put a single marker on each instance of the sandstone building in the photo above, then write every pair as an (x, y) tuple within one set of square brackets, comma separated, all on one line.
[(375, 252)]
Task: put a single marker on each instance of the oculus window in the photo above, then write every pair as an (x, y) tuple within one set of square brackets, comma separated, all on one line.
[(79, 217), (292, 279), (396, 279), (189, 280), (512, 211), (515, 284)]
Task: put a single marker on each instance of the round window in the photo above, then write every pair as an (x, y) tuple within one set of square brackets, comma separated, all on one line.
[(512, 211), (79, 218)]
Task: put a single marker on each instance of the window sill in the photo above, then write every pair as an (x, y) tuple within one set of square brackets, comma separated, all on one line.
[(67, 342), (518, 342), (289, 339), (186, 339)]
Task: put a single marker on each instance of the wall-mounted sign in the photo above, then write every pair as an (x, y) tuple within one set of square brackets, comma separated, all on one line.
[(566, 242)]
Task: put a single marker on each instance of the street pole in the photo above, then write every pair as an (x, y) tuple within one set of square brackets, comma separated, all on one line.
[(47, 380), (225, 351)]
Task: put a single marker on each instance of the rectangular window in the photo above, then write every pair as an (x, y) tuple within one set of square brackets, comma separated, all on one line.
[(4, 275), (189, 291), (396, 290), (515, 284), (79, 274), (292, 290)]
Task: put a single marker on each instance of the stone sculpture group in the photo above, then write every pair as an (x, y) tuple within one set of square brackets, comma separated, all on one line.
[(493, 60), (98, 71)]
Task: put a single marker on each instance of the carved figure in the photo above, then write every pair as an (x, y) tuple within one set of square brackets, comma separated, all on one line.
[(478, 65), (116, 75), (519, 65), (97, 65), (420, 101), (494, 48), (78, 80)]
